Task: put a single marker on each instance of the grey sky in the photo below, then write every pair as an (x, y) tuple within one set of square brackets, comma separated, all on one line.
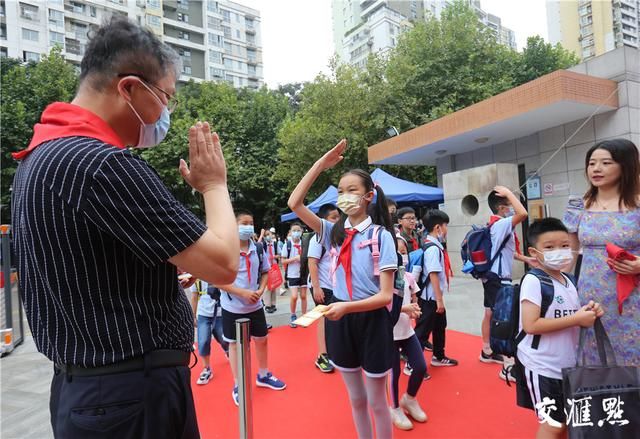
[(297, 35)]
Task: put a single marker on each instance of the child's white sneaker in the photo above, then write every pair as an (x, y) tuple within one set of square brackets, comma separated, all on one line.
[(399, 419), (412, 407)]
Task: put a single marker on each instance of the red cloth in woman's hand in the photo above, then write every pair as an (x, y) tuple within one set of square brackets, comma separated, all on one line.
[(625, 283)]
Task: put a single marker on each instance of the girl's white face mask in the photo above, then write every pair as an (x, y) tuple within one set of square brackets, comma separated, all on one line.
[(349, 203)]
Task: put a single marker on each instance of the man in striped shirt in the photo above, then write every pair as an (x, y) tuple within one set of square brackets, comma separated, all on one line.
[(98, 238)]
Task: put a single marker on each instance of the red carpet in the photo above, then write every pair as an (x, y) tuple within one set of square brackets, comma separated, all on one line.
[(467, 401)]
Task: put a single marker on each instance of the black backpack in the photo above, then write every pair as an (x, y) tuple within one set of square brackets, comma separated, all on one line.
[(505, 334), (304, 252), (215, 292)]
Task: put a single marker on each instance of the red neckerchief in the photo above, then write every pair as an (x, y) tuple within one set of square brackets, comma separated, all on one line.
[(298, 247), (344, 258), (61, 120), (448, 271), (411, 239), (493, 220), (247, 258)]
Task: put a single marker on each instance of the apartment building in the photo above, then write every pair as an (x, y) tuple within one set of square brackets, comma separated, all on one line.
[(592, 27), (216, 40), (361, 27)]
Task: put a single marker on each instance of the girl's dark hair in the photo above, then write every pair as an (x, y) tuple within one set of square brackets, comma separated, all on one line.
[(625, 153), (378, 211)]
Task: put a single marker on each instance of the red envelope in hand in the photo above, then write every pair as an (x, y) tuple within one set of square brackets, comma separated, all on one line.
[(626, 283)]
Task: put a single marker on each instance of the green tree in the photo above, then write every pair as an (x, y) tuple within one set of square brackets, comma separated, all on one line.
[(26, 90), (540, 58)]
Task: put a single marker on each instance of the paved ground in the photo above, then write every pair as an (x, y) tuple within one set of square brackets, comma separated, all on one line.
[(25, 374)]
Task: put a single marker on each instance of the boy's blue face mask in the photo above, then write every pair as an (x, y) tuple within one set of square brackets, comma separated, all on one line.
[(245, 232)]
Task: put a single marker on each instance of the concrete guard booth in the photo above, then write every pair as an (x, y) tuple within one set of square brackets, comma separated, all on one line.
[(505, 139)]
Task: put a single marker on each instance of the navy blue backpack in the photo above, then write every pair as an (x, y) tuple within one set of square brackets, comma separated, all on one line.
[(504, 333), (476, 250)]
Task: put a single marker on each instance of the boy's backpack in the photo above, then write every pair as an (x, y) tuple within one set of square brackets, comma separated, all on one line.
[(505, 335), (416, 259), (476, 250), (304, 254), (215, 292), (505, 320)]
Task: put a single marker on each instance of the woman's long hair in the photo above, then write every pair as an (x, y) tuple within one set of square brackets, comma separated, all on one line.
[(378, 211), (624, 153)]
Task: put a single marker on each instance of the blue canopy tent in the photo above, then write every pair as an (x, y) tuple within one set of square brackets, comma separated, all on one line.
[(328, 196), (401, 191)]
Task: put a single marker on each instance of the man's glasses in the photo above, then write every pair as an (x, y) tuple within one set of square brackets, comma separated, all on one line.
[(172, 101), (408, 218)]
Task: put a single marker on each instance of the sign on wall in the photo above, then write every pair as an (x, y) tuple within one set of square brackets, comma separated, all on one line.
[(533, 188)]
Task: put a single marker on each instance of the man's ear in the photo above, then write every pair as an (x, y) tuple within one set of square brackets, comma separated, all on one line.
[(125, 86)]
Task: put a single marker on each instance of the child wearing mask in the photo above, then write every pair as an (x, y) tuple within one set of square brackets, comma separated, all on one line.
[(291, 258), (359, 326)]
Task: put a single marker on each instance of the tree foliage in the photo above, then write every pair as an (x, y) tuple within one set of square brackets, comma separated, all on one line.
[(26, 90)]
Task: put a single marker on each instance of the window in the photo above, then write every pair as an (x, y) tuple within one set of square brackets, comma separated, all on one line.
[(227, 47), (586, 19), (186, 70), (240, 65), (78, 8), (227, 31), (30, 35), (30, 56), (183, 4), (214, 23), (28, 12), (56, 18), (252, 71), (3, 52), (92, 11), (215, 56), (237, 34), (153, 20), (228, 63), (251, 55), (184, 52), (226, 16), (3, 31), (216, 73), (153, 3), (212, 6), (56, 38), (216, 40), (249, 23), (251, 40), (183, 17), (184, 35)]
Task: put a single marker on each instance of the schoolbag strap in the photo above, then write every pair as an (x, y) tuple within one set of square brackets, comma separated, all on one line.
[(547, 294), (424, 277), (373, 242), (499, 254)]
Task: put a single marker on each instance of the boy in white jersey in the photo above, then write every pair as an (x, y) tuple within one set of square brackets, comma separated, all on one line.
[(551, 339)]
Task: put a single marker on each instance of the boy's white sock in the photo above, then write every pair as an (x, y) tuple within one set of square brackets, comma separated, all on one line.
[(263, 372)]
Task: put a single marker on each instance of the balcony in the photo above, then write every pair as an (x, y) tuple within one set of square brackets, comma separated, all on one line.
[(251, 44), (75, 47), (30, 15), (251, 30)]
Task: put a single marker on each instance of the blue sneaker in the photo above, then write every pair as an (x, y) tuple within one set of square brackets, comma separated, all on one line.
[(293, 319), (271, 382), (234, 395)]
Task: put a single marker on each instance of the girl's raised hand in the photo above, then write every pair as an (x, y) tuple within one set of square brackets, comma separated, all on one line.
[(333, 156)]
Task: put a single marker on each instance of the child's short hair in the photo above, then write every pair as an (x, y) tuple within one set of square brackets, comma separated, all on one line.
[(433, 218), (241, 212), (326, 209), (495, 201), (405, 210), (296, 223), (544, 225)]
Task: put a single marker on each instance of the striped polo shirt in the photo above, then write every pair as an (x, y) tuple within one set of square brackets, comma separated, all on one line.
[(93, 228)]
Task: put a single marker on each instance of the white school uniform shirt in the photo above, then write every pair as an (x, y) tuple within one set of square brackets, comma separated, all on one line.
[(293, 268), (403, 330), (499, 232), (324, 263), (364, 283), (240, 305), (556, 349), (433, 262)]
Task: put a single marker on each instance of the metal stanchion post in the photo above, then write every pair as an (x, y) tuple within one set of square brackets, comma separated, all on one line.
[(245, 412)]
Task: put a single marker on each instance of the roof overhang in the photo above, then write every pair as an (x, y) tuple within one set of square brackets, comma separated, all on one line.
[(551, 100)]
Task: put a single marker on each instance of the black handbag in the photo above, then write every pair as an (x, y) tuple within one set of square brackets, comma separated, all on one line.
[(601, 401)]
